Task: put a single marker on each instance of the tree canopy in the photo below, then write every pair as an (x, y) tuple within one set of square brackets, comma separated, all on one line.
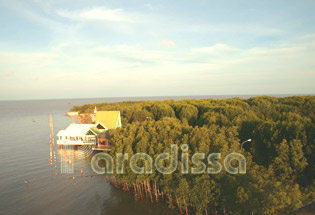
[(280, 157)]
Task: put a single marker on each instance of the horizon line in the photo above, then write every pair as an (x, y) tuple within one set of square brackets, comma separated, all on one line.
[(170, 96)]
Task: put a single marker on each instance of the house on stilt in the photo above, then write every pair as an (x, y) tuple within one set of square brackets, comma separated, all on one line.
[(105, 121), (95, 134)]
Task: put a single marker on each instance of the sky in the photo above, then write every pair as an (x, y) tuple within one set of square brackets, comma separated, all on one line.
[(125, 48)]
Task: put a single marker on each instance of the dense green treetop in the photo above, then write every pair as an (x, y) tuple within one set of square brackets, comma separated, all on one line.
[(280, 158)]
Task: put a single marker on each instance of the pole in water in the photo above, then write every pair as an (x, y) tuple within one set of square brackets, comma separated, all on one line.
[(52, 144), (25, 180)]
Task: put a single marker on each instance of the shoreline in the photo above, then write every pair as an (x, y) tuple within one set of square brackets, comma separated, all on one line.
[(82, 117)]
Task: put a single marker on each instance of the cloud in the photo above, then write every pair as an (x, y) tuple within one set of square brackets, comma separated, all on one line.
[(8, 74), (227, 29), (96, 14), (167, 43), (216, 49), (258, 69), (308, 37), (134, 53), (31, 14), (60, 46)]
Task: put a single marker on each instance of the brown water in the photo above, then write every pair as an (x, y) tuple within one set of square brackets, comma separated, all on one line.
[(50, 189)]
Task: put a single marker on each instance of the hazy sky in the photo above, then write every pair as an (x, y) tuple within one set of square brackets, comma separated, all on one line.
[(91, 48)]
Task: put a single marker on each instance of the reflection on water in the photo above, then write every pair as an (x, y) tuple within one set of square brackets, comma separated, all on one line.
[(118, 202), (69, 155), (37, 177), (66, 154)]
